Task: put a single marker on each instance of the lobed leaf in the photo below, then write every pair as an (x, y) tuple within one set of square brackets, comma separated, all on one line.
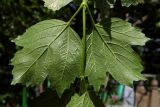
[(50, 49), (124, 31), (115, 55), (80, 101), (56, 4)]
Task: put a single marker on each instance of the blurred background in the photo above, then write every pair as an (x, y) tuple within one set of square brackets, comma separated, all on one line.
[(18, 15)]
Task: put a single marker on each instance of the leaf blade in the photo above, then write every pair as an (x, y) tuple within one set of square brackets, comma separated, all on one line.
[(56, 4), (80, 101), (124, 31), (47, 48)]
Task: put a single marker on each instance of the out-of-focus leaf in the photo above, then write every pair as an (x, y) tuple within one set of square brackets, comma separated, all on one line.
[(104, 6), (80, 101), (131, 2), (56, 4)]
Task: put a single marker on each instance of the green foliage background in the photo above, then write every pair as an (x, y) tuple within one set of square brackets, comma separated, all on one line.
[(16, 16)]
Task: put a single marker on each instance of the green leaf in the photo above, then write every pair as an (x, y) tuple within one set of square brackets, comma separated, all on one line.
[(50, 49), (80, 101), (131, 2), (115, 55), (56, 4), (124, 31)]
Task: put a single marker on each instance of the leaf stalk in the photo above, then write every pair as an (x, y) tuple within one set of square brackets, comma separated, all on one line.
[(83, 82)]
